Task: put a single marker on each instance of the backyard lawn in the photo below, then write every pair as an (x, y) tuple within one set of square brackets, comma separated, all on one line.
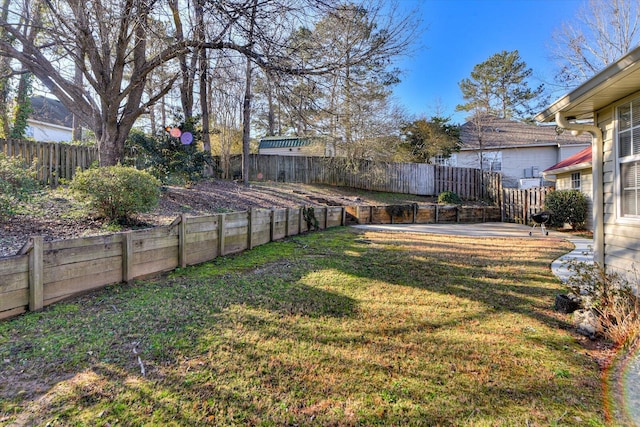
[(340, 327)]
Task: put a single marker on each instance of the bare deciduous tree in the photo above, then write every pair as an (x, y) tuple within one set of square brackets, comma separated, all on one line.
[(110, 42), (601, 32)]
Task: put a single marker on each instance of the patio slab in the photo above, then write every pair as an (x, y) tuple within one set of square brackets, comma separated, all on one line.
[(583, 250)]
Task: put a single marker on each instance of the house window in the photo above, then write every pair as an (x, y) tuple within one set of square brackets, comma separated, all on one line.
[(575, 181), (629, 158), (444, 161), (492, 161)]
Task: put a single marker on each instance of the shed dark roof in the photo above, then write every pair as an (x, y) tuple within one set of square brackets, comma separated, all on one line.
[(284, 142), (50, 110), (581, 157), (504, 133)]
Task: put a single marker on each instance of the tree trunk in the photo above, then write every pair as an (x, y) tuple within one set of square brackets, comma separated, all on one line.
[(111, 144), (246, 107), (246, 125), (204, 66), (77, 79)]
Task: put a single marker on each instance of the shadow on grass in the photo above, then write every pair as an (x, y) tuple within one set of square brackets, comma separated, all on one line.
[(245, 341)]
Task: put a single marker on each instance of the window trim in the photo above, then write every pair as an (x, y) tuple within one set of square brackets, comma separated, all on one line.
[(576, 177), (618, 162)]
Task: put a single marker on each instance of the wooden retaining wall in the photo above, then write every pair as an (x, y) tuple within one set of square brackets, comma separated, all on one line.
[(43, 273), (422, 214)]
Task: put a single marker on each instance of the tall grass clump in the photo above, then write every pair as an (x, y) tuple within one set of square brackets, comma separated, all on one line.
[(17, 183), (611, 297)]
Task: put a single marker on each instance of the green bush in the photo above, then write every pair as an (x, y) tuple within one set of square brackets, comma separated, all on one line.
[(17, 183), (449, 198), (567, 207), (118, 192), (167, 158)]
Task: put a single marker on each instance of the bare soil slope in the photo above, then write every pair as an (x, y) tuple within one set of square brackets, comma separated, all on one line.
[(59, 216)]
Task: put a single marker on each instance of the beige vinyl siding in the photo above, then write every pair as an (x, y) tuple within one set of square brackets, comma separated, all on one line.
[(514, 160), (621, 235), (563, 182)]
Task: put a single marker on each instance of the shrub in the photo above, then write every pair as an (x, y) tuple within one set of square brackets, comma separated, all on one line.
[(449, 197), (567, 207), (167, 158), (118, 192), (611, 297), (17, 183)]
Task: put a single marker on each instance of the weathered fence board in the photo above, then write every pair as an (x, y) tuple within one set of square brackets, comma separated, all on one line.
[(54, 160), (519, 205), (279, 224), (409, 178), (95, 275)]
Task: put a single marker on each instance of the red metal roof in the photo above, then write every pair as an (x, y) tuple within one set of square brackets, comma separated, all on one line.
[(580, 157)]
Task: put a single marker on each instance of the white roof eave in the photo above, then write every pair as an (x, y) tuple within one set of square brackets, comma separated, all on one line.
[(616, 81)]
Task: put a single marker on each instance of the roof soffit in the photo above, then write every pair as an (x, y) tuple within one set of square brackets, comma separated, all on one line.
[(613, 83)]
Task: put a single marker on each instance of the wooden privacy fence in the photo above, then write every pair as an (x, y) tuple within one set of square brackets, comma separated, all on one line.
[(408, 178), (53, 160), (519, 205), (45, 272)]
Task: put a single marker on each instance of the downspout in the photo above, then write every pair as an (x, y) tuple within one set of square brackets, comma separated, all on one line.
[(598, 186)]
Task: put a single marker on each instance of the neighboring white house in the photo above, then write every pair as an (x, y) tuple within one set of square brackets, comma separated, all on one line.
[(49, 121), (294, 146), (607, 106), (574, 173), (518, 150)]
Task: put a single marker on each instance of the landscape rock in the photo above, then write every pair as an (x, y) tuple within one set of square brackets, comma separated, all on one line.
[(587, 322), (567, 303)]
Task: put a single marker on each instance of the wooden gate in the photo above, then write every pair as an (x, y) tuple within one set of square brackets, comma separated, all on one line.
[(519, 205)]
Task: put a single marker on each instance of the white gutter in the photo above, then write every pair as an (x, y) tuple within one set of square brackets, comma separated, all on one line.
[(598, 187)]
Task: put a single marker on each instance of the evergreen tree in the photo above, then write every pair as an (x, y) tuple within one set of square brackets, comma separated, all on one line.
[(499, 87), (427, 138)]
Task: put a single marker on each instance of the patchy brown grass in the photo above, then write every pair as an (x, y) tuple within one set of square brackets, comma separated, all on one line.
[(334, 328)]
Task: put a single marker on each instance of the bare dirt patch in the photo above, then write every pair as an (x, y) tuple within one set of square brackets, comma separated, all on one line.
[(61, 217)]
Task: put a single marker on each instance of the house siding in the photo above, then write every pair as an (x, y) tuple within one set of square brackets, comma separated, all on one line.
[(621, 236), (563, 182), (516, 160), (46, 132)]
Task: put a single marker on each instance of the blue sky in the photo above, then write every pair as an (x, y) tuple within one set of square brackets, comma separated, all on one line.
[(462, 33)]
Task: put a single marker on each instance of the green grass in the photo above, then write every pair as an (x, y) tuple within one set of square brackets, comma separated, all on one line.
[(334, 328)]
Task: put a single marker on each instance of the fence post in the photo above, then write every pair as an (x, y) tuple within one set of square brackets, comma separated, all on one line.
[(300, 217), (250, 215), (221, 227), (287, 229), (525, 207), (182, 241), (36, 274), (272, 220), (127, 256)]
